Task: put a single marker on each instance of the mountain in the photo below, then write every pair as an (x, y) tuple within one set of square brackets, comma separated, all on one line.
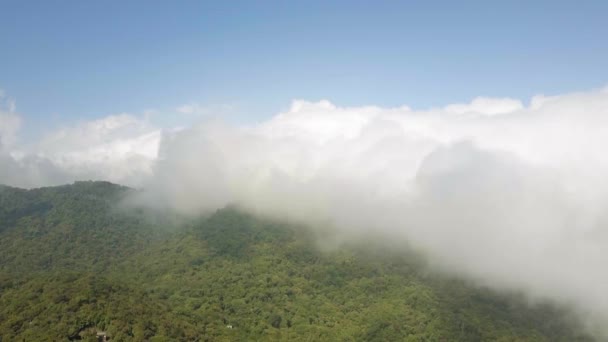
[(75, 264)]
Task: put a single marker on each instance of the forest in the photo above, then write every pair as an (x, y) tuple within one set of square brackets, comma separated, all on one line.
[(75, 263)]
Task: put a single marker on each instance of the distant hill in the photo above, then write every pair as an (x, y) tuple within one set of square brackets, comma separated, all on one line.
[(74, 264)]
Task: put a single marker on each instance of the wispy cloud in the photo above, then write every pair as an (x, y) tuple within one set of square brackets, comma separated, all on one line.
[(10, 122)]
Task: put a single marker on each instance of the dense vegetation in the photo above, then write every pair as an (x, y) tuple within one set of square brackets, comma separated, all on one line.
[(72, 264)]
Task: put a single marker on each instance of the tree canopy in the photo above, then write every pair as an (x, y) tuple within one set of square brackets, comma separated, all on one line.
[(73, 263)]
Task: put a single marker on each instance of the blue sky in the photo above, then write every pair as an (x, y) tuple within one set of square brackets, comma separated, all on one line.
[(64, 61)]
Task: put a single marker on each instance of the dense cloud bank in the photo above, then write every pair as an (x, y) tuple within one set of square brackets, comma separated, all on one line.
[(513, 196)]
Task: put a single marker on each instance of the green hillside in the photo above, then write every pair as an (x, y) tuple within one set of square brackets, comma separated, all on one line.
[(72, 263)]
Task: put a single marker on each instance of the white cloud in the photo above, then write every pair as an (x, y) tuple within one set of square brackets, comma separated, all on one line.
[(109, 138), (119, 148), (197, 109), (487, 106), (513, 197), (188, 108), (9, 121), (515, 200)]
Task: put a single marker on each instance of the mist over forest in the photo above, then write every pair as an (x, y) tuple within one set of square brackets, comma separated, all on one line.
[(484, 192), (76, 265), (303, 171), (507, 196)]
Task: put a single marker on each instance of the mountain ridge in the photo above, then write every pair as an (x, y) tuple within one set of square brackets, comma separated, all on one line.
[(74, 263)]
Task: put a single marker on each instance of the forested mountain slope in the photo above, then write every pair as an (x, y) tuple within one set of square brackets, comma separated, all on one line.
[(73, 263)]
